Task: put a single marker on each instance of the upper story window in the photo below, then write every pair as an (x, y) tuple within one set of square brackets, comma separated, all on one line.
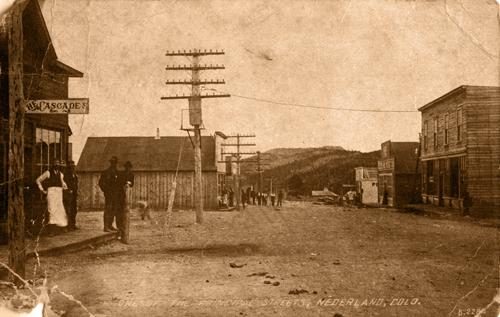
[(48, 148), (435, 134), (446, 127), (460, 123), (426, 133)]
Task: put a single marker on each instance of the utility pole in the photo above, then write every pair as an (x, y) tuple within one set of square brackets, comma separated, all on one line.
[(15, 214), (260, 170), (195, 117), (238, 155)]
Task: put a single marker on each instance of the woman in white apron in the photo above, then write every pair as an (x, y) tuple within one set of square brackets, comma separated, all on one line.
[(54, 182)]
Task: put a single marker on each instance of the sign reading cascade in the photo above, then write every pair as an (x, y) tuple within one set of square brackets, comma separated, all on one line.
[(69, 106)]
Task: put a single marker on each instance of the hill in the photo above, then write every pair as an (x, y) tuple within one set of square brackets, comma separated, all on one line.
[(301, 170)]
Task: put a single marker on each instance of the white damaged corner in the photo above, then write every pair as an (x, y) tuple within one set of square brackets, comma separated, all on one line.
[(496, 299), (5, 5)]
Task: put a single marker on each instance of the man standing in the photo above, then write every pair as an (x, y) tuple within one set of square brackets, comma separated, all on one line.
[(122, 215), (467, 203), (71, 195), (231, 197), (280, 198), (248, 195), (243, 198), (109, 182)]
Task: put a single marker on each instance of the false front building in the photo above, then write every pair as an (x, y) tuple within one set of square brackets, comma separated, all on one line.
[(398, 173), (461, 149), (45, 135)]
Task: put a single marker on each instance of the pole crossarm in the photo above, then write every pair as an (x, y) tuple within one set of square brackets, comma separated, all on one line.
[(199, 82), (241, 136), (191, 67), (200, 96), (238, 153), (194, 52), (242, 144), (241, 162)]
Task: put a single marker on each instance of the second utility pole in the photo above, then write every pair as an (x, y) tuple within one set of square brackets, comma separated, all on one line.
[(194, 105)]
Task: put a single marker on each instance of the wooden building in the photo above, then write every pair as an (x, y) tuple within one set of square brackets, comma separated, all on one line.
[(398, 173), (155, 161), (461, 149), (45, 135), (367, 184)]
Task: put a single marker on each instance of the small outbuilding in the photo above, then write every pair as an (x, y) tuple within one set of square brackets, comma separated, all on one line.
[(155, 161), (367, 184)]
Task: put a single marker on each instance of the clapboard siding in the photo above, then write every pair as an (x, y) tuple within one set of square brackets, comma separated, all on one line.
[(483, 150), (153, 187)]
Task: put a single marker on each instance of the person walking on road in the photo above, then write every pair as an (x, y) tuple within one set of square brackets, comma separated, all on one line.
[(248, 195), (243, 198), (467, 203), (273, 198), (110, 184), (280, 198), (52, 184), (71, 195)]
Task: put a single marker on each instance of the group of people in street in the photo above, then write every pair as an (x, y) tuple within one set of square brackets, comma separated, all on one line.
[(249, 196), (114, 184), (61, 190)]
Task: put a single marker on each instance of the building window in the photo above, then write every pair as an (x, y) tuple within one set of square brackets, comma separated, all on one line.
[(446, 124), (454, 177), (426, 133), (435, 134), (459, 125), (48, 148), (430, 178)]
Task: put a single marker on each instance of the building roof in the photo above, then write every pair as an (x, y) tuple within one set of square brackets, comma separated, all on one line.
[(456, 91), (35, 24), (146, 153), (321, 193)]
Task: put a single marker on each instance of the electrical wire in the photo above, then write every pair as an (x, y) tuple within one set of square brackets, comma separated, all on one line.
[(281, 103)]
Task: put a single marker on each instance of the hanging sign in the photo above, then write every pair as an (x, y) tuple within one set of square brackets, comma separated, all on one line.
[(63, 106), (195, 111)]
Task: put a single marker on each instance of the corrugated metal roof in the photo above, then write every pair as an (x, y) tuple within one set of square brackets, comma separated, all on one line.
[(145, 153)]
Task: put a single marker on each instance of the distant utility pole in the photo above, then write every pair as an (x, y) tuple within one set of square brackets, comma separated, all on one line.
[(238, 155), (260, 170), (195, 118)]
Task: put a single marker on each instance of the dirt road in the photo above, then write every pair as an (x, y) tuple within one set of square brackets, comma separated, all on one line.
[(304, 260)]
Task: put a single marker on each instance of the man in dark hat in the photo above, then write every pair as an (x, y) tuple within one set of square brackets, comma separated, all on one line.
[(110, 184), (71, 195)]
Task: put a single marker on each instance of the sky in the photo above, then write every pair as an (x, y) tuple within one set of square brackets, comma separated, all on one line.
[(358, 54)]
